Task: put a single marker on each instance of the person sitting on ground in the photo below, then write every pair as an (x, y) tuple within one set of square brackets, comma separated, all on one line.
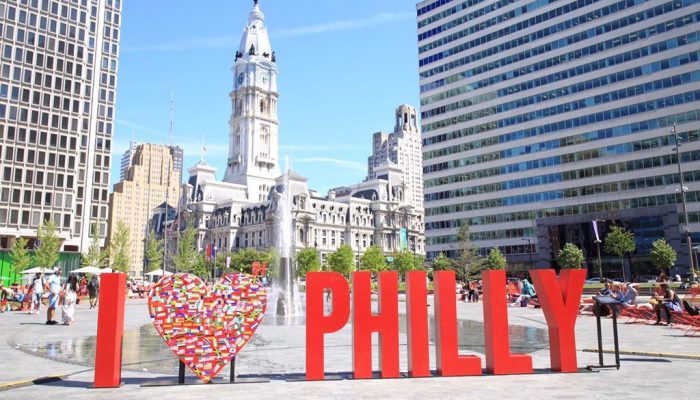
[(627, 295), (669, 303), (606, 290), (526, 294)]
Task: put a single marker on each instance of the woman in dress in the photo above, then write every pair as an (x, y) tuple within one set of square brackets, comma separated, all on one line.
[(70, 295)]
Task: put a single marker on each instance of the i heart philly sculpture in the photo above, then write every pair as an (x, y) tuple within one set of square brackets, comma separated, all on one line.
[(206, 328)]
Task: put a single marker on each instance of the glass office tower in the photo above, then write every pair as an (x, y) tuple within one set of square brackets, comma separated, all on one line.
[(541, 116)]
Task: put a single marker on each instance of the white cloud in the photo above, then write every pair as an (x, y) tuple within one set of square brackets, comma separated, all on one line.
[(334, 26), (353, 165), (219, 42)]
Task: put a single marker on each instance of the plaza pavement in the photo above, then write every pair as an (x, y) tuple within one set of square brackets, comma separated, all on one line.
[(278, 351)]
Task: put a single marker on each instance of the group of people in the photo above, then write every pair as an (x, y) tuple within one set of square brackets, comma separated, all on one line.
[(469, 291), (57, 293)]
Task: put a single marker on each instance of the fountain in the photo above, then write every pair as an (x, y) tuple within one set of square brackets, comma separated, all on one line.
[(285, 299)]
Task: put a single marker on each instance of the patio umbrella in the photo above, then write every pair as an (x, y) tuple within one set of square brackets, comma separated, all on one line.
[(87, 270), (159, 272), (37, 270)]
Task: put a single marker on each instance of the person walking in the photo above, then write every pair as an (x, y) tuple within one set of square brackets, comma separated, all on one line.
[(54, 286), (93, 288), (70, 295), (37, 287)]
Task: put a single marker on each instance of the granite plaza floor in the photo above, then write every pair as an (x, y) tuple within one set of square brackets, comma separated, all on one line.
[(29, 350)]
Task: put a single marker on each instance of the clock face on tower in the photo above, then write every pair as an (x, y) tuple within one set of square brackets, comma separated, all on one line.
[(240, 78)]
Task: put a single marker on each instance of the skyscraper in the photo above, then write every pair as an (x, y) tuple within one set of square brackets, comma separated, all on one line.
[(151, 181), (127, 159), (539, 117), (58, 76)]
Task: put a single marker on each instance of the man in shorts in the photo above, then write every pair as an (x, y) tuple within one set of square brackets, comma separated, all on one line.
[(54, 287)]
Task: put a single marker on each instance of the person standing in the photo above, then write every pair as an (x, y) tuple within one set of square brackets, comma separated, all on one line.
[(93, 288), (54, 287), (37, 293), (70, 295)]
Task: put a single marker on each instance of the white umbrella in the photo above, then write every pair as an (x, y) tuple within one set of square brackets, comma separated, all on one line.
[(159, 272), (87, 270), (105, 270), (37, 270)]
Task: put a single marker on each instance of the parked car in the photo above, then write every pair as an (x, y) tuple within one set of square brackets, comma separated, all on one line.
[(645, 278), (594, 279)]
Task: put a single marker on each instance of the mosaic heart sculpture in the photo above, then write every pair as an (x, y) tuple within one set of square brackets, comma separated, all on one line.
[(206, 327)]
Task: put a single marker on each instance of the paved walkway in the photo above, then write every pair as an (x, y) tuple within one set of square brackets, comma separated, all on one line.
[(280, 350)]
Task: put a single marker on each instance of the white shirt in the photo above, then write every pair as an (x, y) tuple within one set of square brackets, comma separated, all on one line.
[(55, 284), (38, 286)]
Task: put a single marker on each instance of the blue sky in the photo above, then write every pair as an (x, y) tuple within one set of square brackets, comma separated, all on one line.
[(344, 67)]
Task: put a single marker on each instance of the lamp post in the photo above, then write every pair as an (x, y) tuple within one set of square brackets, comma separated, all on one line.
[(529, 250), (683, 189), (597, 245)]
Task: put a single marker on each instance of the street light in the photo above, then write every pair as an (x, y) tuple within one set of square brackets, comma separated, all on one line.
[(597, 245), (682, 190)]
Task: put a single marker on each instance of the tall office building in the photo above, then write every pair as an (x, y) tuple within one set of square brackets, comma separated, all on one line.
[(127, 159), (150, 181), (403, 148), (58, 76), (539, 117)]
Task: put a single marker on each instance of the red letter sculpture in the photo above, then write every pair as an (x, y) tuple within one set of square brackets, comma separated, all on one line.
[(499, 360), (417, 325), (560, 300), (110, 329), (448, 360), (386, 323), (318, 324)]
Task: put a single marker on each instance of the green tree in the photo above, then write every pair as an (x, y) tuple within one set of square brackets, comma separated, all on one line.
[(442, 263), (120, 248), (308, 261), (201, 266), (21, 258), (570, 257), (186, 254), (620, 241), (154, 252), (46, 254), (243, 260), (405, 261), (663, 256), (95, 256), (373, 260), (468, 264), (342, 260), (495, 260)]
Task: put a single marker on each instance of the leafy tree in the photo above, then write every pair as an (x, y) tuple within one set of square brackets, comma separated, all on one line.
[(373, 260), (405, 261), (201, 266), (120, 248), (243, 260), (95, 256), (46, 254), (154, 252), (308, 261), (495, 260), (221, 259), (619, 241), (468, 264), (342, 260), (21, 259), (186, 253), (443, 263), (663, 256), (570, 257)]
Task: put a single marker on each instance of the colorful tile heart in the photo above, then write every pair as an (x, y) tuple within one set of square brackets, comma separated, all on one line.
[(207, 328)]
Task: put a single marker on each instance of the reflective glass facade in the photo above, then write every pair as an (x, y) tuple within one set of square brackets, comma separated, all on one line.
[(536, 109)]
